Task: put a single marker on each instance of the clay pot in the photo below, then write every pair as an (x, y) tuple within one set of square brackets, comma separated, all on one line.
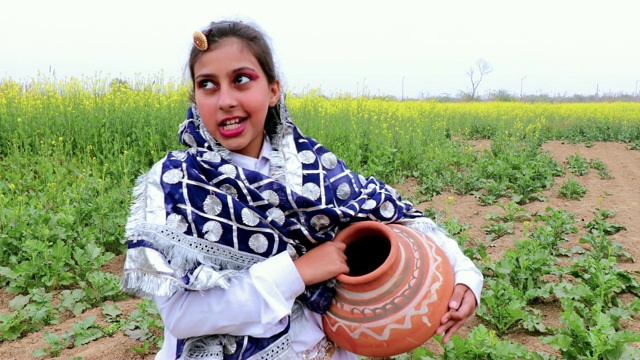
[(397, 290)]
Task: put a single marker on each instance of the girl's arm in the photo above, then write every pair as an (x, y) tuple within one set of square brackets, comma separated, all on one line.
[(256, 303)]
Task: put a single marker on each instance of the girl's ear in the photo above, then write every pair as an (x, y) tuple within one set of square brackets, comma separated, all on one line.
[(275, 93)]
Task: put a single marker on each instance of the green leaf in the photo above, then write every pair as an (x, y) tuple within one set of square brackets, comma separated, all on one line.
[(629, 353), (559, 342), (39, 353), (7, 272), (111, 310), (87, 336), (19, 302), (51, 338)]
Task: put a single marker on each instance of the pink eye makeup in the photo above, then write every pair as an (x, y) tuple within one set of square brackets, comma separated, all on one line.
[(245, 77)]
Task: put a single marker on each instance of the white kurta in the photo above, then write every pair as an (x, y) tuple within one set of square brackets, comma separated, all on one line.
[(258, 303)]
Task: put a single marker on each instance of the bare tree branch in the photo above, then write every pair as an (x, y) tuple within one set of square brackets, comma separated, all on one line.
[(484, 68)]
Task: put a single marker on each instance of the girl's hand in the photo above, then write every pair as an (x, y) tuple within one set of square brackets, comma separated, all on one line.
[(323, 262), (462, 305)]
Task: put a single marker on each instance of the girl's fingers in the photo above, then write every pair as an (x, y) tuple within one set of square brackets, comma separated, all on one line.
[(464, 308), (340, 245), (458, 294), (452, 330)]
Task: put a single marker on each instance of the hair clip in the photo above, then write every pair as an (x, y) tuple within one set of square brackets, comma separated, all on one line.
[(200, 40)]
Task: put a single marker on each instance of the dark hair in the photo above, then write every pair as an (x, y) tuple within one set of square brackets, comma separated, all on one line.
[(255, 41)]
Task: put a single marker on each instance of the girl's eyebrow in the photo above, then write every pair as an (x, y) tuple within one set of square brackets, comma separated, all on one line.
[(205, 75), (243, 68), (234, 71)]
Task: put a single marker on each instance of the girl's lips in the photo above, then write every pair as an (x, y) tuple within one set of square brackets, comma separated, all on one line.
[(232, 127)]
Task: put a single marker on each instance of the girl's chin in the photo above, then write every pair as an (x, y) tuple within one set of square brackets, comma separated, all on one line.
[(244, 147), (235, 145)]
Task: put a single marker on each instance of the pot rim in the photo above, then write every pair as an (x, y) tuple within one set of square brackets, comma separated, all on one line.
[(370, 227)]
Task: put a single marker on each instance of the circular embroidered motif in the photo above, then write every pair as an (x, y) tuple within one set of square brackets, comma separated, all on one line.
[(212, 156), (212, 205), (229, 345), (343, 191), (213, 231), (276, 215), (228, 170), (306, 157), (179, 155), (172, 176), (369, 204), (258, 243), (249, 217), (319, 221), (329, 160), (387, 210), (177, 222), (311, 190), (229, 190), (271, 197)]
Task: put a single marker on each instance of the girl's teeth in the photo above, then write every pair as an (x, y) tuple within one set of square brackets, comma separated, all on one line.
[(231, 125)]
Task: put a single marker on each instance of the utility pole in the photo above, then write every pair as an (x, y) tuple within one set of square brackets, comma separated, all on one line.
[(521, 80), (402, 98), (635, 93), (363, 88)]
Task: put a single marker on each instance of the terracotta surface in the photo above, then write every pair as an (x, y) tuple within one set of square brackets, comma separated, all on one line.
[(395, 306)]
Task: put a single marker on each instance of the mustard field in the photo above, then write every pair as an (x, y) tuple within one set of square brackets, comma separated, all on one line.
[(70, 152)]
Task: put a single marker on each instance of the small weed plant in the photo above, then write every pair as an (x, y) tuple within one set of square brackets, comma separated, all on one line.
[(572, 190), (601, 168), (577, 165)]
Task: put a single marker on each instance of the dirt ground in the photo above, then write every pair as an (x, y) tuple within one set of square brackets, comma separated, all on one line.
[(621, 193)]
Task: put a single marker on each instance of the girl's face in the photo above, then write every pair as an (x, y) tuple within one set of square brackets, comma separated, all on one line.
[(233, 95)]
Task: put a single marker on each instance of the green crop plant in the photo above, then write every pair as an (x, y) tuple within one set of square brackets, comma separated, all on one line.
[(55, 344), (604, 279), (577, 165), (572, 189), (592, 338), (481, 343), (600, 224), (601, 168), (525, 267), (505, 309)]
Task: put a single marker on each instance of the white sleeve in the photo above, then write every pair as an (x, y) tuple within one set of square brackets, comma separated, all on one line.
[(465, 271), (256, 303)]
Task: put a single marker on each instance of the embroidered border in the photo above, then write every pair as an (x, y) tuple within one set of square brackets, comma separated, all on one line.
[(189, 250)]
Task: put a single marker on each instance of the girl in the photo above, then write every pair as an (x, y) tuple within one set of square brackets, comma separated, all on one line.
[(232, 236)]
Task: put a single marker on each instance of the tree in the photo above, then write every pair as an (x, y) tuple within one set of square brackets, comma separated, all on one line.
[(118, 84), (483, 68)]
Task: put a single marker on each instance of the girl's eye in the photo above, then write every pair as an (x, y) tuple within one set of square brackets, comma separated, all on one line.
[(206, 84), (243, 79)]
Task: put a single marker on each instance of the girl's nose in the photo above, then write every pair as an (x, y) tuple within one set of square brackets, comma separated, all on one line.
[(226, 98)]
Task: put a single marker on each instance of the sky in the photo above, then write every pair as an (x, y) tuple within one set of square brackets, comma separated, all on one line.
[(403, 48)]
